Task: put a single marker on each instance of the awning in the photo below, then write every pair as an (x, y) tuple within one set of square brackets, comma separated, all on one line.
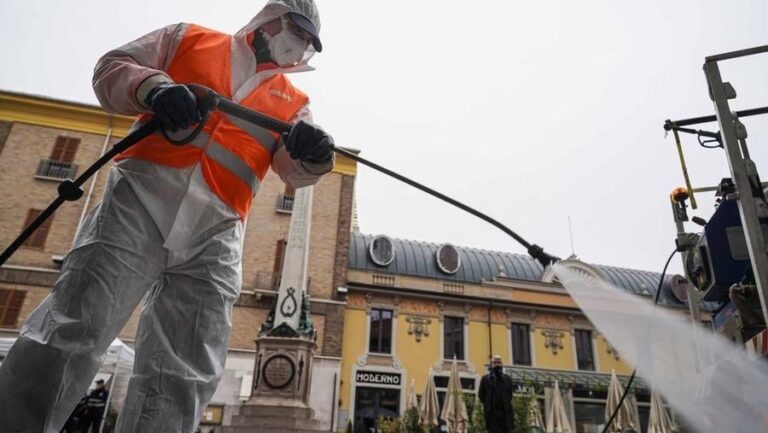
[(540, 378)]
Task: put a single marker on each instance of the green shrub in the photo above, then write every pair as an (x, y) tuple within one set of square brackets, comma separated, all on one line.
[(520, 405), (410, 421), (389, 425), (476, 418)]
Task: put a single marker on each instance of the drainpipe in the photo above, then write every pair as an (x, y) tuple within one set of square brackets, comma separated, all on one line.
[(92, 187), (490, 341)]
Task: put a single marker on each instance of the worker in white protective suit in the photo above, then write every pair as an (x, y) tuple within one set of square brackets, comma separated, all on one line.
[(169, 229)]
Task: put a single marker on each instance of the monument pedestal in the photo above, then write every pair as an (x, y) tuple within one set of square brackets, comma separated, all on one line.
[(279, 400)]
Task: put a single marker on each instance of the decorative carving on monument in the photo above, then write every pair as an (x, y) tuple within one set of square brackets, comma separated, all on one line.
[(301, 371), (396, 300), (283, 330), (368, 297), (553, 340), (418, 327), (278, 371), (467, 308), (289, 305), (306, 324)]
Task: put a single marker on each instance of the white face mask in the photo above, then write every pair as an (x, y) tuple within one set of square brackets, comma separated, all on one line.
[(286, 47)]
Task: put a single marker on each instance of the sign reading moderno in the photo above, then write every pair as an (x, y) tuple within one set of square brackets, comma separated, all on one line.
[(377, 378)]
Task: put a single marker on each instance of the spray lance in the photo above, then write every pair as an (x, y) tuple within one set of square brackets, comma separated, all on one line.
[(208, 101)]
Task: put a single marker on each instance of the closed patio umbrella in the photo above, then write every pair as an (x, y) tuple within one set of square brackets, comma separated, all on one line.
[(534, 415), (658, 420), (454, 410), (428, 407), (624, 419), (557, 417), (411, 400)]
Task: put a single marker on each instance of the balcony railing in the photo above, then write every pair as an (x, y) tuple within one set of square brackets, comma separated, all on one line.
[(284, 203), (52, 169)]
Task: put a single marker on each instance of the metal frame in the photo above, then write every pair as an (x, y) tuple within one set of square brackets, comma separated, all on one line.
[(740, 165)]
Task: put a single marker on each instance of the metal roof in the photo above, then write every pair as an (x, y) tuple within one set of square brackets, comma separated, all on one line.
[(416, 258)]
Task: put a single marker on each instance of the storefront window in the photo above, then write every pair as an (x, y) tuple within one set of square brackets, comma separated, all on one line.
[(590, 417), (373, 403)]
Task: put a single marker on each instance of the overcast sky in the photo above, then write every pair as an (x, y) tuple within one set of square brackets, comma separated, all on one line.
[(529, 111)]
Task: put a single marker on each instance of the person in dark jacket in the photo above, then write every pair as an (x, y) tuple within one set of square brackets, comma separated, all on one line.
[(95, 407), (496, 395)]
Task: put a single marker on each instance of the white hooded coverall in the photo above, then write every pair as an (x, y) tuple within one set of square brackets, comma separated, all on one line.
[(159, 235)]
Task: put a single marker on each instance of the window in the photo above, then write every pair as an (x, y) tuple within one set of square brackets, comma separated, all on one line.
[(380, 337), (285, 201), (453, 337), (60, 164), (10, 306), (590, 417), (584, 353), (381, 250), (37, 240), (521, 344), (65, 149), (448, 259)]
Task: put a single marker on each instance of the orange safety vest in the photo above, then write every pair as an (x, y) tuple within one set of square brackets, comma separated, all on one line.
[(234, 155)]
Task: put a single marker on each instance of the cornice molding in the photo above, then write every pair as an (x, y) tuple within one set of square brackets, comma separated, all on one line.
[(52, 113)]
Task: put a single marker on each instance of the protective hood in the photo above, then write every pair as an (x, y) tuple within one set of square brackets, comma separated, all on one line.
[(274, 9)]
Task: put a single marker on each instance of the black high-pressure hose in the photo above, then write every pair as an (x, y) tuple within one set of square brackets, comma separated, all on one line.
[(209, 100), (275, 125)]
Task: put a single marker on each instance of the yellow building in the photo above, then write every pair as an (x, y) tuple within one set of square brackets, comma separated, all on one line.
[(413, 306)]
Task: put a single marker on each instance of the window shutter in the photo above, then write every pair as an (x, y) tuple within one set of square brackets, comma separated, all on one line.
[(65, 148), (289, 190), (10, 306), (37, 240)]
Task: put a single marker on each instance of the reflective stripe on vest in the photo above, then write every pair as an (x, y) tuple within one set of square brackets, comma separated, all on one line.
[(234, 155)]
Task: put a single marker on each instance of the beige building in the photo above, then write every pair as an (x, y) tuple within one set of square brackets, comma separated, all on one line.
[(43, 141)]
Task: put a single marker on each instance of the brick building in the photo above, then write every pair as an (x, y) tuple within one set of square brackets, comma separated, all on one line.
[(43, 141)]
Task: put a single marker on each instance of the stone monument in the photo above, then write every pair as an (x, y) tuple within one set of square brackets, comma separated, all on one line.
[(285, 347)]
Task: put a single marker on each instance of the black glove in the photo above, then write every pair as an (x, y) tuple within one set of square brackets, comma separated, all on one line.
[(174, 104), (309, 143)]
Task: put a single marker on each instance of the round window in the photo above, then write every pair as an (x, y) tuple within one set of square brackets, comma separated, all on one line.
[(448, 259), (382, 250)]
